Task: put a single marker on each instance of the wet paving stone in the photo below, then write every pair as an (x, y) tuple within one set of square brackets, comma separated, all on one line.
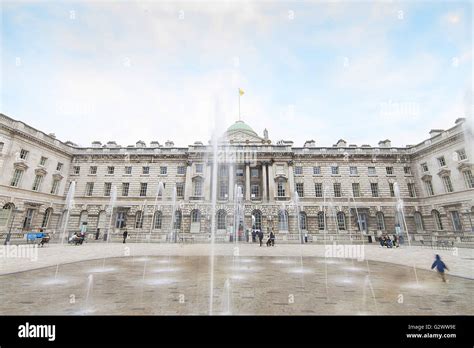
[(125, 289)]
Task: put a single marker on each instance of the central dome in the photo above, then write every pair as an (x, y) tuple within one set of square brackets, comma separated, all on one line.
[(240, 126)]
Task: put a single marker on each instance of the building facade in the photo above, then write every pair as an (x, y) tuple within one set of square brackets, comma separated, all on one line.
[(344, 191)]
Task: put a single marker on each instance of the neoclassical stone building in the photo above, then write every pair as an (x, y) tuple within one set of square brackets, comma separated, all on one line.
[(334, 185)]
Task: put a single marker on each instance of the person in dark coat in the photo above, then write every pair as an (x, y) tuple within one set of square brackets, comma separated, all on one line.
[(440, 267), (260, 237), (271, 239), (254, 235), (125, 234)]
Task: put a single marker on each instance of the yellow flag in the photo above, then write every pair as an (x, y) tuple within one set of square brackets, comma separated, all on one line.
[(241, 92)]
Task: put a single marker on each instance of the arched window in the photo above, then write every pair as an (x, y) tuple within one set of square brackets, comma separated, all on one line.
[(418, 221), (283, 220), (221, 219), (257, 215), (139, 219), (321, 221), (195, 216), (177, 219), (303, 224), (341, 221), (437, 219), (380, 221), (157, 219)]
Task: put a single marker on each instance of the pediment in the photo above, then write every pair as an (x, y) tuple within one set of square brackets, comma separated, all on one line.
[(242, 137)]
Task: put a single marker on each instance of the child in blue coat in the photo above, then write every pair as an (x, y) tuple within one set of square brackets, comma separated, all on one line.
[(440, 267)]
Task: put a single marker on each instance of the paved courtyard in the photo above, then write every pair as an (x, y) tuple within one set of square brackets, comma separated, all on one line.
[(169, 279)]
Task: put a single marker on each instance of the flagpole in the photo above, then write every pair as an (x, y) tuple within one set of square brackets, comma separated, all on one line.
[(239, 103)]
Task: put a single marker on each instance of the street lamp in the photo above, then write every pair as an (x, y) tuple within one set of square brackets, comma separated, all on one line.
[(7, 240)]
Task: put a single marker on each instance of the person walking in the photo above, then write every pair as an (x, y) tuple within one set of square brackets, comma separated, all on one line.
[(254, 235), (125, 234), (440, 267), (260, 237)]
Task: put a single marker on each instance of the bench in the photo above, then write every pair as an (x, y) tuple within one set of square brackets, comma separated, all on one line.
[(39, 238)]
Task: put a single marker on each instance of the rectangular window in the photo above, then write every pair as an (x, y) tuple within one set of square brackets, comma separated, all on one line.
[(424, 167), (93, 170), (372, 171), (334, 170), (407, 170), (37, 182), (389, 170), (456, 221), (254, 172), (392, 189), (59, 166), (143, 187), (223, 194), (441, 161), (374, 187), (128, 170), (76, 170), (468, 178), (337, 190), (255, 191), (353, 170), (411, 190), (318, 189), (222, 171), (429, 188), (281, 188), (15, 182), (145, 170), (54, 187), (198, 188), (461, 155), (43, 161), (199, 168), (182, 170), (356, 189), (179, 189), (163, 170), (24, 154), (317, 170), (110, 170), (239, 172), (300, 189), (107, 188), (89, 188), (298, 170), (125, 189), (448, 187)]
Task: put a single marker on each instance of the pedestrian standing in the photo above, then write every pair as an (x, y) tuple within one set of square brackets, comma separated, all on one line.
[(125, 234)]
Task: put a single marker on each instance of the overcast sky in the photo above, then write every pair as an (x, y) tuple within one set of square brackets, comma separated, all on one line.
[(128, 71)]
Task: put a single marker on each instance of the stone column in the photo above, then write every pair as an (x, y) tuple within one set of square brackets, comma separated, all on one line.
[(264, 182), (247, 181), (291, 179), (271, 183), (189, 183), (207, 182), (231, 169)]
